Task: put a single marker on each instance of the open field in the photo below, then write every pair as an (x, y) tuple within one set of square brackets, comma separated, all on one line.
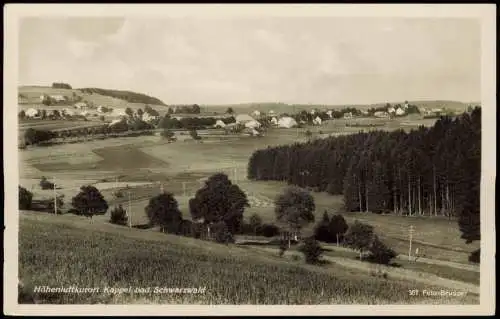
[(181, 165), (70, 245)]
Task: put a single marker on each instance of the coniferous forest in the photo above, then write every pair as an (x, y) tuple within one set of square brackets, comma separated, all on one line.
[(432, 171)]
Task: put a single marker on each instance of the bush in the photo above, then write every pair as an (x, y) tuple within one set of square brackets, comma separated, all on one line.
[(269, 230), (222, 234), (186, 228), (119, 216), (380, 253), (475, 256), (311, 250), (25, 198), (45, 184)]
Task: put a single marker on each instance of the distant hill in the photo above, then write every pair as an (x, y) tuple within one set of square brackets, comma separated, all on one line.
[(128, 96), (29, 97), (290, 108)]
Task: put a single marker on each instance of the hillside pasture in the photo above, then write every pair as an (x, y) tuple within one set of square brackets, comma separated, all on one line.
[(69, 246)]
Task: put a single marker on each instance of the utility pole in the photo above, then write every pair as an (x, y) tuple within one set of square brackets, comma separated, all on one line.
[(184, 188), (411, 230), (55, 197), (161, 188), (129, 211)]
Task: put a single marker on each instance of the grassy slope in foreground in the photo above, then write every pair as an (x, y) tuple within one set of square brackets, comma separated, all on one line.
[(67, 250)]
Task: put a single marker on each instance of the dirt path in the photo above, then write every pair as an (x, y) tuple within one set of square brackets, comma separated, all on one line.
[(399, 273), (424, 260)]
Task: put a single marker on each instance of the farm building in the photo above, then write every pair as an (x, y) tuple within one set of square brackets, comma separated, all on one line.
[(329, 113), (68, 112), (348, 115), (80, 105), (271, 113), (114, 122), (219, 124), (274, 121), (381, 114), (400, 111), (256, 113), (118, 112), (148, 117), (32, 112), (317, 120), (101, 109), (58, 98), (437, 110), (243, 118), (84, 113), (233, 127), (287, 122), (251, 131), (391, 110), (406, 105), (252, 124)]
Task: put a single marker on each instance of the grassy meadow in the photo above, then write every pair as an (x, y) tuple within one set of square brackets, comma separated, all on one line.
[(103, 255)]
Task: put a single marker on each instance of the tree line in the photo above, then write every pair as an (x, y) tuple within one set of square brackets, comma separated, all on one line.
[(428, 171), (128, 96)]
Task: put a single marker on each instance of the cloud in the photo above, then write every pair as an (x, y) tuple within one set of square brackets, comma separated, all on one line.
[(322, 60)]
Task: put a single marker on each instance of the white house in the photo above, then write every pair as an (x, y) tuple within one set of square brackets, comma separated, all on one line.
[(400, 111), (243, 118), (100, 109), (58, 98), (148, 117), (31, 112), (287, 122), (256, 113), (406, 105), (437, 110), (80, 105), (252, 124), (381, 114), (317, 120), (348, 115), (274, 120), (391, 110), (219, 124), (329, 113), (313, 111), (271, 113), (84, 113)]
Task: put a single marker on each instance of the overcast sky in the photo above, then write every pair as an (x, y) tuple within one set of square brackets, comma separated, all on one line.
[(292, 60)]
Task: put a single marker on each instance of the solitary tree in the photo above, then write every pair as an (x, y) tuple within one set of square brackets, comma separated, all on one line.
[(25, 198), (89, 202), (21, 115), (311, 250), (129, 112), (163, 210), (295, 207), (194, 134), (229, 110), (360, 237), (338, 227), (322, 230), (380, 253), (119, 216), (219, 200), (140, 112), (255, 223)]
